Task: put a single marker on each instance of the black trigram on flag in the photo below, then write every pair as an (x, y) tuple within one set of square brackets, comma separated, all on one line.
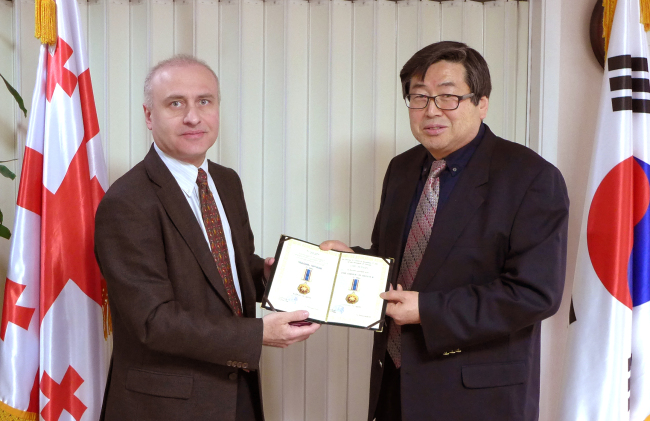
[(629, 383), (618, 83)]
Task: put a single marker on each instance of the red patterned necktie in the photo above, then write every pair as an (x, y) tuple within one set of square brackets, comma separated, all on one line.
[(214, 228), (416, 243)]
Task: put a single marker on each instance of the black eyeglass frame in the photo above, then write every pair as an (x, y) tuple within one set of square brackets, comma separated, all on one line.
[(429, 98)]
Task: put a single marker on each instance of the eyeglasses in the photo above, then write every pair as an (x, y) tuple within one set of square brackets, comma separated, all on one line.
[(445, 102)]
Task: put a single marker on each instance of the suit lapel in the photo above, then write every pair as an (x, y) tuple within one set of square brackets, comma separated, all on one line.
[(398, 202), (173, 200), (465, 199)]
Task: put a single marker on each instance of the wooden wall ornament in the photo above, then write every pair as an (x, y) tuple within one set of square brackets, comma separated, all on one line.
[(596, 33)]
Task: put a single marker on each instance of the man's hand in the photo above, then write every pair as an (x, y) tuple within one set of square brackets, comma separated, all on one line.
[(268, 262), (335, 245), (402, 306), (279, 333)]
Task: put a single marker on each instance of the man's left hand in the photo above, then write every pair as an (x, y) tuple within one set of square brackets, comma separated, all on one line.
[(402, 306)]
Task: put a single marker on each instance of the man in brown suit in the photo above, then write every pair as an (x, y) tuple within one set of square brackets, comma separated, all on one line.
[(174, 243)]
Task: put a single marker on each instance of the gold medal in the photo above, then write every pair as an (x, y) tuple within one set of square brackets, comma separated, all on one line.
[(353, 298), (304, 287)]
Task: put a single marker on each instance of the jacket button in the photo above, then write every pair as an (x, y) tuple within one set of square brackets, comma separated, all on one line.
[(239, 365), (229, 363), (232, 376), (381, 365), (245, 365)]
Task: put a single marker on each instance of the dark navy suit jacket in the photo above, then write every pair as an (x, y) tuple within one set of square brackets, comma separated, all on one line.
[(492, 271)]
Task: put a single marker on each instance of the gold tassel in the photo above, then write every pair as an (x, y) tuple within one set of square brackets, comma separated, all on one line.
[(609, 7), (645, 17), (48, 22), (106, 312), (45, 21), (37, 19)]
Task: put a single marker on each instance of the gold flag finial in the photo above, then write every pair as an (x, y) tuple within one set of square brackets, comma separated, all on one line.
[(45, 21)]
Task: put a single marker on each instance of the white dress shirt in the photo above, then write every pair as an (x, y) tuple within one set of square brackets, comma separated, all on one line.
[(186, 175)]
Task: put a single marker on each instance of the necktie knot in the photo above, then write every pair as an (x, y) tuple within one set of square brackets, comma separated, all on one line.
[(202, 178), (437, 167)]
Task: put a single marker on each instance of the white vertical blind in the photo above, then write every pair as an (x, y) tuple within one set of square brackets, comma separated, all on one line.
[(311, 114), (9, 56)]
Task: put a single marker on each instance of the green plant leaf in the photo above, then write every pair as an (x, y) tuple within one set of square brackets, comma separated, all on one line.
[(1, 217), (7, 172), (16, 95), (4, 232)]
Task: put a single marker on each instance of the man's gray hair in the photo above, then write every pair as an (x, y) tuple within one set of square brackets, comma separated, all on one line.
[(177, 60)]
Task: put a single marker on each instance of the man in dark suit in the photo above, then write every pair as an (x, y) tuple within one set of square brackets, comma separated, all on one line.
[(463, 335), (174, 243)]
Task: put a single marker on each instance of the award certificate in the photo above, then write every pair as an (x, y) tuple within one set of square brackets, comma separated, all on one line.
[(335, 287)]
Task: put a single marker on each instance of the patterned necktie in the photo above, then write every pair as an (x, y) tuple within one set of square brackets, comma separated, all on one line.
[(213, 226), (416, 243)]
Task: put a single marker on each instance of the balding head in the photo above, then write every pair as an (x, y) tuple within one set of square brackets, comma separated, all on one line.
[(178, 60)]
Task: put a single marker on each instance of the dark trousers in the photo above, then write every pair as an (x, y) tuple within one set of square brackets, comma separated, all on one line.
[(249, 402), (389, 407)]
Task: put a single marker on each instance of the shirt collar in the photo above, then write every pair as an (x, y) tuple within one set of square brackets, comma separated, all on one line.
[(458, 159), (184, 173)]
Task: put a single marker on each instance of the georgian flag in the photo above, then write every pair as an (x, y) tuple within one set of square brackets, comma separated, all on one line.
[(55, 332), (607, 366)]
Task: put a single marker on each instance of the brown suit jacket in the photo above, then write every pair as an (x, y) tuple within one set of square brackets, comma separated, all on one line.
[(492, 271), (176, 337)]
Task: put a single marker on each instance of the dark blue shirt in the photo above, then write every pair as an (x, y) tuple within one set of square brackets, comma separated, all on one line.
[(456, 162)]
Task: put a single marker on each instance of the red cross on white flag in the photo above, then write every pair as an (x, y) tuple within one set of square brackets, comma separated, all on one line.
[(55, 333)]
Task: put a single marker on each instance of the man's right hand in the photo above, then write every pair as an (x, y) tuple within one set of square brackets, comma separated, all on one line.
[(335, 245), (279, 333)]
